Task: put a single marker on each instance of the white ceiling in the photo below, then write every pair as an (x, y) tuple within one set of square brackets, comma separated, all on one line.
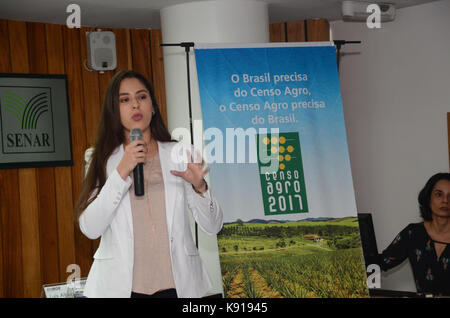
[(145, 13)]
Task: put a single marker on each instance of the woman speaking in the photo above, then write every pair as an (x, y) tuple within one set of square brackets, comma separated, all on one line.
[(146, 247)]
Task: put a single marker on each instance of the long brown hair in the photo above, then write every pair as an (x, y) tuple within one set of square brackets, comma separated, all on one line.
[(110, 135)]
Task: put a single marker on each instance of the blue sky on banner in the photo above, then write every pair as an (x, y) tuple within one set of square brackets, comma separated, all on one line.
[(294, 89)]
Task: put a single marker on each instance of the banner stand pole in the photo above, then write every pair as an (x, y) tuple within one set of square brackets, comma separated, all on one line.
[(187, 48), (338, 44)]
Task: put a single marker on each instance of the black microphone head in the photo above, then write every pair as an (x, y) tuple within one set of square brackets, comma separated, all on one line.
[(136, 134)]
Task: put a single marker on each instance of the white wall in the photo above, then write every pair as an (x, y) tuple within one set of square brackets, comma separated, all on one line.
[(396, 93)]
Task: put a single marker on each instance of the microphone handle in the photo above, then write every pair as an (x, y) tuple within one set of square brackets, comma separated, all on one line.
[(138, 174)]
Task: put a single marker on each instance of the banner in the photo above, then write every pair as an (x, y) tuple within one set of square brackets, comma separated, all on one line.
[(275, 141)]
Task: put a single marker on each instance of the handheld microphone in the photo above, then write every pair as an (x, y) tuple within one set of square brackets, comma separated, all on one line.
[(138, 172)]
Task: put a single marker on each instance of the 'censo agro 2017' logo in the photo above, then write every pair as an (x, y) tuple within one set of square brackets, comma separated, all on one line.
[(26, 119)]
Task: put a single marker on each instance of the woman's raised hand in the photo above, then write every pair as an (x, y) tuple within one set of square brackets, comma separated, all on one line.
[(194, 173)]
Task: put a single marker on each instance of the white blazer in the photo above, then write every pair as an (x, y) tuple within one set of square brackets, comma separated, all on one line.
[(109, 216)]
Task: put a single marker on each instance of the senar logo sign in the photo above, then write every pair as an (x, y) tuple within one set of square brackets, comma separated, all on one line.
[(26, 119)]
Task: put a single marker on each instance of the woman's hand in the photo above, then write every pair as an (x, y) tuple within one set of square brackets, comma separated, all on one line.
[(135, 152), (194, 173)]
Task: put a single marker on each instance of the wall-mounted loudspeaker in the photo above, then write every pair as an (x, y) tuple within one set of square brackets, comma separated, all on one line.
[(101, 50)]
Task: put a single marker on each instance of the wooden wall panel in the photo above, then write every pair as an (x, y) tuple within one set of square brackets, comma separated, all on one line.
[(140, 40), (37, 52), (73, 66), (65, 220), (11, 232), (300, 31), (124, 54), (10, 221), (277, 32), (63, 188), (318, 30), (157, 62), (29, 212), (48, 225), (5, 67), (5, 63), (295, 31)]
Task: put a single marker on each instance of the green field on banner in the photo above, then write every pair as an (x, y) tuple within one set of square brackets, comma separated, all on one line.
[(308, 258)]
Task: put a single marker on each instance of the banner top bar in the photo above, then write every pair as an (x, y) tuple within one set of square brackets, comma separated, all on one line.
[(199, 46)]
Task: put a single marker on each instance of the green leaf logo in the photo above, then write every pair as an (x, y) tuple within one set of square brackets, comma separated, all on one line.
[(27, 113)]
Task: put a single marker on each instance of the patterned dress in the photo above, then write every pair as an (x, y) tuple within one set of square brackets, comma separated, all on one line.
[(431, 273)]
